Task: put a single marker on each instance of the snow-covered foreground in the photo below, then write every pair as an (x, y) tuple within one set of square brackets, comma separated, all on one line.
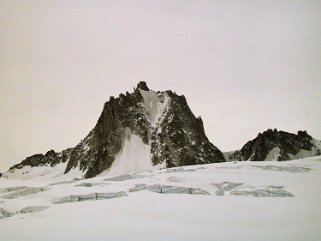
[(226, 201)]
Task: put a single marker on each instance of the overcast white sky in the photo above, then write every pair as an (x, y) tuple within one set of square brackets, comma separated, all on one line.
[(243, 65)]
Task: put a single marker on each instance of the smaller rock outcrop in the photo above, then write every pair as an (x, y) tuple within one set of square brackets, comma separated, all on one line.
[(51, 158), (278, 145)]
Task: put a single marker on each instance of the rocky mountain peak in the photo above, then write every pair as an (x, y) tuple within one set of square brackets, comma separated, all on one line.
[(142, 85), (136, 131)]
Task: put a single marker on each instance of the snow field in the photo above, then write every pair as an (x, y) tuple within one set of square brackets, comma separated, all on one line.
[(147, 215)]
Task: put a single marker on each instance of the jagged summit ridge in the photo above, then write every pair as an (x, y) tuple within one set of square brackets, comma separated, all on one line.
[(141, 130), (278, 145)]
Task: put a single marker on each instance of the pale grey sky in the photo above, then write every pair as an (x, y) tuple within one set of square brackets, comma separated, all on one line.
[(243, 65)]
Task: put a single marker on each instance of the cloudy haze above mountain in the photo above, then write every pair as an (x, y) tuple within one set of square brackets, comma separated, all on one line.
[(244, 66)]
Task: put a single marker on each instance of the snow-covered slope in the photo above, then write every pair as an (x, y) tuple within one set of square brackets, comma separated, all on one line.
[(135, 156), (231, 201), (45, 172)]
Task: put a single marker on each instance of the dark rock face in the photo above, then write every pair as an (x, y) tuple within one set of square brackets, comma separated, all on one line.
[(162, 120), (288, 143), (180, 138), (143, 86)]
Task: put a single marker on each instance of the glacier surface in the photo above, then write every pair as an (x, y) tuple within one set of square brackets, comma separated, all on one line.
[(239, 201)]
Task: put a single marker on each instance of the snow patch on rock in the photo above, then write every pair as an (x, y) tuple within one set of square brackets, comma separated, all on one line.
[(155, 105), (135, 156), (273, 154)]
